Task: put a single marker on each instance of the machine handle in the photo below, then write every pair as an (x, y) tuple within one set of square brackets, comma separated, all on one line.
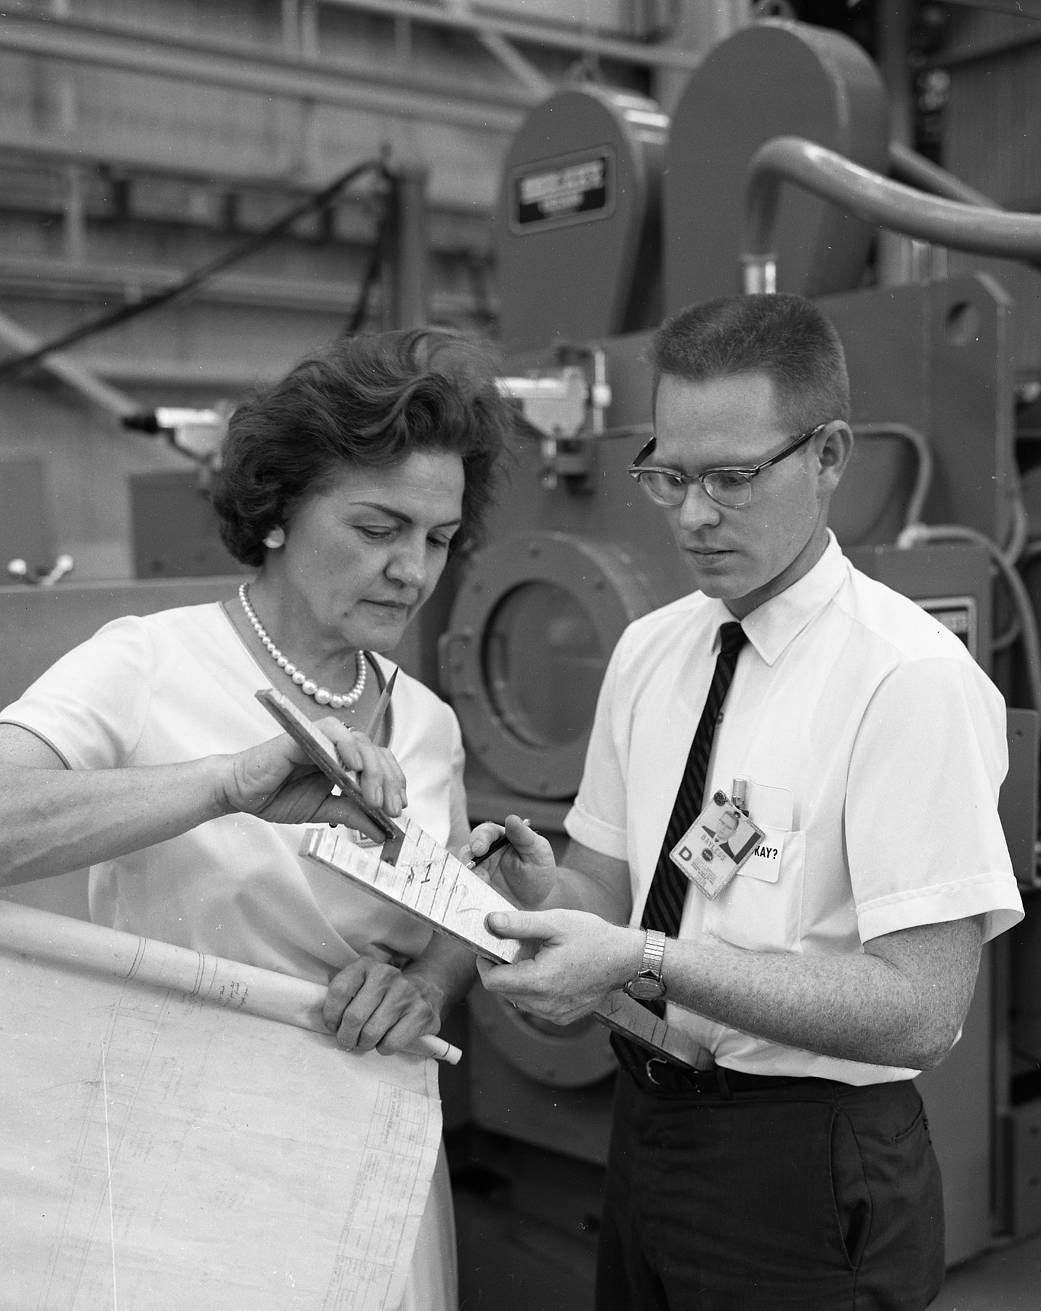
[(63, 565)]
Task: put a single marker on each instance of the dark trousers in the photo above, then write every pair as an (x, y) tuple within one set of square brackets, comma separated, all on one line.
[(797, 1196)]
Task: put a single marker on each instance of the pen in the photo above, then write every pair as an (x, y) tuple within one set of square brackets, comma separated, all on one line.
[(497, 845)]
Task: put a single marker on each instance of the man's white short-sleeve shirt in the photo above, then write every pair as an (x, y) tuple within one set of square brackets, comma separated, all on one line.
[(873, 747)]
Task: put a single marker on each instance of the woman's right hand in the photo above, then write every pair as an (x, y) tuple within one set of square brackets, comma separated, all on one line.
[(278, 782)]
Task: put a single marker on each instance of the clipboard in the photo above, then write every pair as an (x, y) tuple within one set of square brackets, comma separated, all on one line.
[(427, 881), (420, 876)]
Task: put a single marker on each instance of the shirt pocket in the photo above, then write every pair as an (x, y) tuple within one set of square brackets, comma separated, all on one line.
[(761, 910)]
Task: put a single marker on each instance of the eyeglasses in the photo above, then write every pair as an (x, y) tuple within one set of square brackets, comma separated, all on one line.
[(729, 487)]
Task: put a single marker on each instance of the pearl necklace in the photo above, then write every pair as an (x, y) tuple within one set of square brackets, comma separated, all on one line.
[(336, 700)]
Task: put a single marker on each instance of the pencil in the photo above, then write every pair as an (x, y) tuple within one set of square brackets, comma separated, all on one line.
[(381, 706)]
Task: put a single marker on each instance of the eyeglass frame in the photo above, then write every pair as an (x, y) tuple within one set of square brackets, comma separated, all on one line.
[(636, 470)]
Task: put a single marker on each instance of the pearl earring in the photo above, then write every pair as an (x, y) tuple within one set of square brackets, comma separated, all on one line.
[(275, 538)]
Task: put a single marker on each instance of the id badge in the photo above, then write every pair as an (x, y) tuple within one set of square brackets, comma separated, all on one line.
[(716, 845)]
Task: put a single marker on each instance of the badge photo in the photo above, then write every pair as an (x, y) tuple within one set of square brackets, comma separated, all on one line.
[(716, 845)]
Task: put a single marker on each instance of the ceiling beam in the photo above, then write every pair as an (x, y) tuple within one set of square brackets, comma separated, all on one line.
[(550, 36), (365, 85)]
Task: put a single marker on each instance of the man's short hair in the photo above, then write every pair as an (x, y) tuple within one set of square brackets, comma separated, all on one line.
[(782, 335)]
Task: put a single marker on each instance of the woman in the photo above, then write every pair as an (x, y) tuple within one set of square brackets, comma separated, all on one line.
[(145, 755)]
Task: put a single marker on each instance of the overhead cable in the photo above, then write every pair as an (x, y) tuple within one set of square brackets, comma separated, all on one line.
[(316, 201)]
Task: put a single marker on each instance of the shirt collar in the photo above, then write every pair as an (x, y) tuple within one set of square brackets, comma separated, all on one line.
[(774, 624)]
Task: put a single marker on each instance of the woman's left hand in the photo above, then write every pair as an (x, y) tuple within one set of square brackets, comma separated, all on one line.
[(374, 1005)]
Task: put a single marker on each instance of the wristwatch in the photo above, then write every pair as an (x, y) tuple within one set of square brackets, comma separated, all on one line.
[(647, 983)]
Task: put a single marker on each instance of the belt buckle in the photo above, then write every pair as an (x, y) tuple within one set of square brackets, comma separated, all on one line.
[(654, 1060), (712, 1079)]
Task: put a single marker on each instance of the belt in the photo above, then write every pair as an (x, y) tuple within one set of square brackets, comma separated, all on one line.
[(657, 1075)]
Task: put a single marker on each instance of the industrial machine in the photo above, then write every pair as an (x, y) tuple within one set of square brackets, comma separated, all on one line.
[(774, 173)]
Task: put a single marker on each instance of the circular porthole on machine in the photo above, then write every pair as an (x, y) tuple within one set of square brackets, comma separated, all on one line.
[(531, 630), (557, 1055), (532, 627)]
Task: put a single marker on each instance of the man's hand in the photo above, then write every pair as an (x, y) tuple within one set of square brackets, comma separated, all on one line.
[(276, 781), (575, 959), (525, 871), (372, 1005)]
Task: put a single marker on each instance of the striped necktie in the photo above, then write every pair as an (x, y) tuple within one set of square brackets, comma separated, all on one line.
[(667, 892), (668, 889)]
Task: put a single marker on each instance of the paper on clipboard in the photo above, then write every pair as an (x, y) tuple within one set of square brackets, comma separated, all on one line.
[(426, 880), (416, 873)]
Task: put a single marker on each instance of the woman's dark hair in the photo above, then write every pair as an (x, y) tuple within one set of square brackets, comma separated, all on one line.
[(369, 401)]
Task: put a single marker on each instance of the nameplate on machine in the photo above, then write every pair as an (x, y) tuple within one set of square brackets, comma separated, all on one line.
[(561, 191), (956, 613)]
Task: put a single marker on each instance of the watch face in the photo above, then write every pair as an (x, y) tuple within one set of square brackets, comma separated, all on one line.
[(645, 989)]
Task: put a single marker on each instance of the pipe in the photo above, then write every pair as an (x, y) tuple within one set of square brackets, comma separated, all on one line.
[(870, 196), (906, 165), (923, 461), (915, 534), (86, 383)]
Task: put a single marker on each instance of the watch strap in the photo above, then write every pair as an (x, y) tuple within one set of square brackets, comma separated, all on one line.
[(653, 955)]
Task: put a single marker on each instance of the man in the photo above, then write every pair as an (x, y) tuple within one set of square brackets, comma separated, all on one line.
[(795, 1170), (726, 826)]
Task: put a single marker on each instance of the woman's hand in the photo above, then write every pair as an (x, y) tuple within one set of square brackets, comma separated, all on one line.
[(525, 871), (277, 781), (372, 1005)]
